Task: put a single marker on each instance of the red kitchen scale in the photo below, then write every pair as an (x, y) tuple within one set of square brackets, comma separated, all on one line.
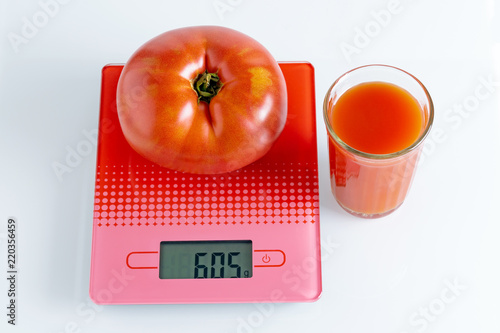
[(252, 235)]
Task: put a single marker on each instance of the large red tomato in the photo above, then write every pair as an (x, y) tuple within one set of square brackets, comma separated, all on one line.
[(202, 99)]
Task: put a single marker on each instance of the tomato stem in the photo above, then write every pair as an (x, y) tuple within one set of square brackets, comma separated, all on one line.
[(207, 85)]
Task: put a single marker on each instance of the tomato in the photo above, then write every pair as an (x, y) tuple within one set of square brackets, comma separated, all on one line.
[(202, 99)]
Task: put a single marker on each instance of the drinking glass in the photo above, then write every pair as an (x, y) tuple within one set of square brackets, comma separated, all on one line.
[(372, 185)]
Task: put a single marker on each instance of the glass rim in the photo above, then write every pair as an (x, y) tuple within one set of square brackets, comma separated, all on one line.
[(357, 152)]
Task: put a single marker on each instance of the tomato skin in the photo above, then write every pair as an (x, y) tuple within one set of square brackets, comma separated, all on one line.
[(163, 120)]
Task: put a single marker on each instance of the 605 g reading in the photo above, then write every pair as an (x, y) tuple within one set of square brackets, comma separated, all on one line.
[(205, 259)]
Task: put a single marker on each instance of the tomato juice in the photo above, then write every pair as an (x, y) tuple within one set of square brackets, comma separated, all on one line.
[(377, 118), (375, 133)]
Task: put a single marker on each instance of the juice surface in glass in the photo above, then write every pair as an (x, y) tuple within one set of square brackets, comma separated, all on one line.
[(375, 118)]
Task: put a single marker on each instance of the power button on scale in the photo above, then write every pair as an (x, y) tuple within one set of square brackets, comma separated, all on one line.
[(269, 258)]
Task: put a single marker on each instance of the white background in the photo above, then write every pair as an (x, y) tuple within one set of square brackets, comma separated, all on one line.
[(432, 266)]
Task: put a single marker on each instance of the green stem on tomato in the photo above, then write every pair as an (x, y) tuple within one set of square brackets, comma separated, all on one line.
[(207, 85)]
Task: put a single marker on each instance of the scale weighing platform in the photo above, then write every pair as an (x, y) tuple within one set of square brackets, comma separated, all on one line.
[(251, 235)]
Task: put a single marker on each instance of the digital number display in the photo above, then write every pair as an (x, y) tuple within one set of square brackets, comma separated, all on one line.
[(205, 259)]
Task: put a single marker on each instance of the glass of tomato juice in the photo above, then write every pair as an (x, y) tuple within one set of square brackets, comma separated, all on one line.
[(377, 118)]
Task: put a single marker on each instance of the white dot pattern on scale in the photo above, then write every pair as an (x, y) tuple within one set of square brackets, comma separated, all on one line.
[(151, 195)]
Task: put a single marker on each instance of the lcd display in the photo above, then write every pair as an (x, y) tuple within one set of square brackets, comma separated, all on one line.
[(206, 259)]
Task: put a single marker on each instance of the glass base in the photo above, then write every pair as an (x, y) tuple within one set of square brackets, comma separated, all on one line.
[(368, 216)]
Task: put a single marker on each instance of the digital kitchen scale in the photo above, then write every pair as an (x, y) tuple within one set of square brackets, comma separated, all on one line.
[(251, 235)]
